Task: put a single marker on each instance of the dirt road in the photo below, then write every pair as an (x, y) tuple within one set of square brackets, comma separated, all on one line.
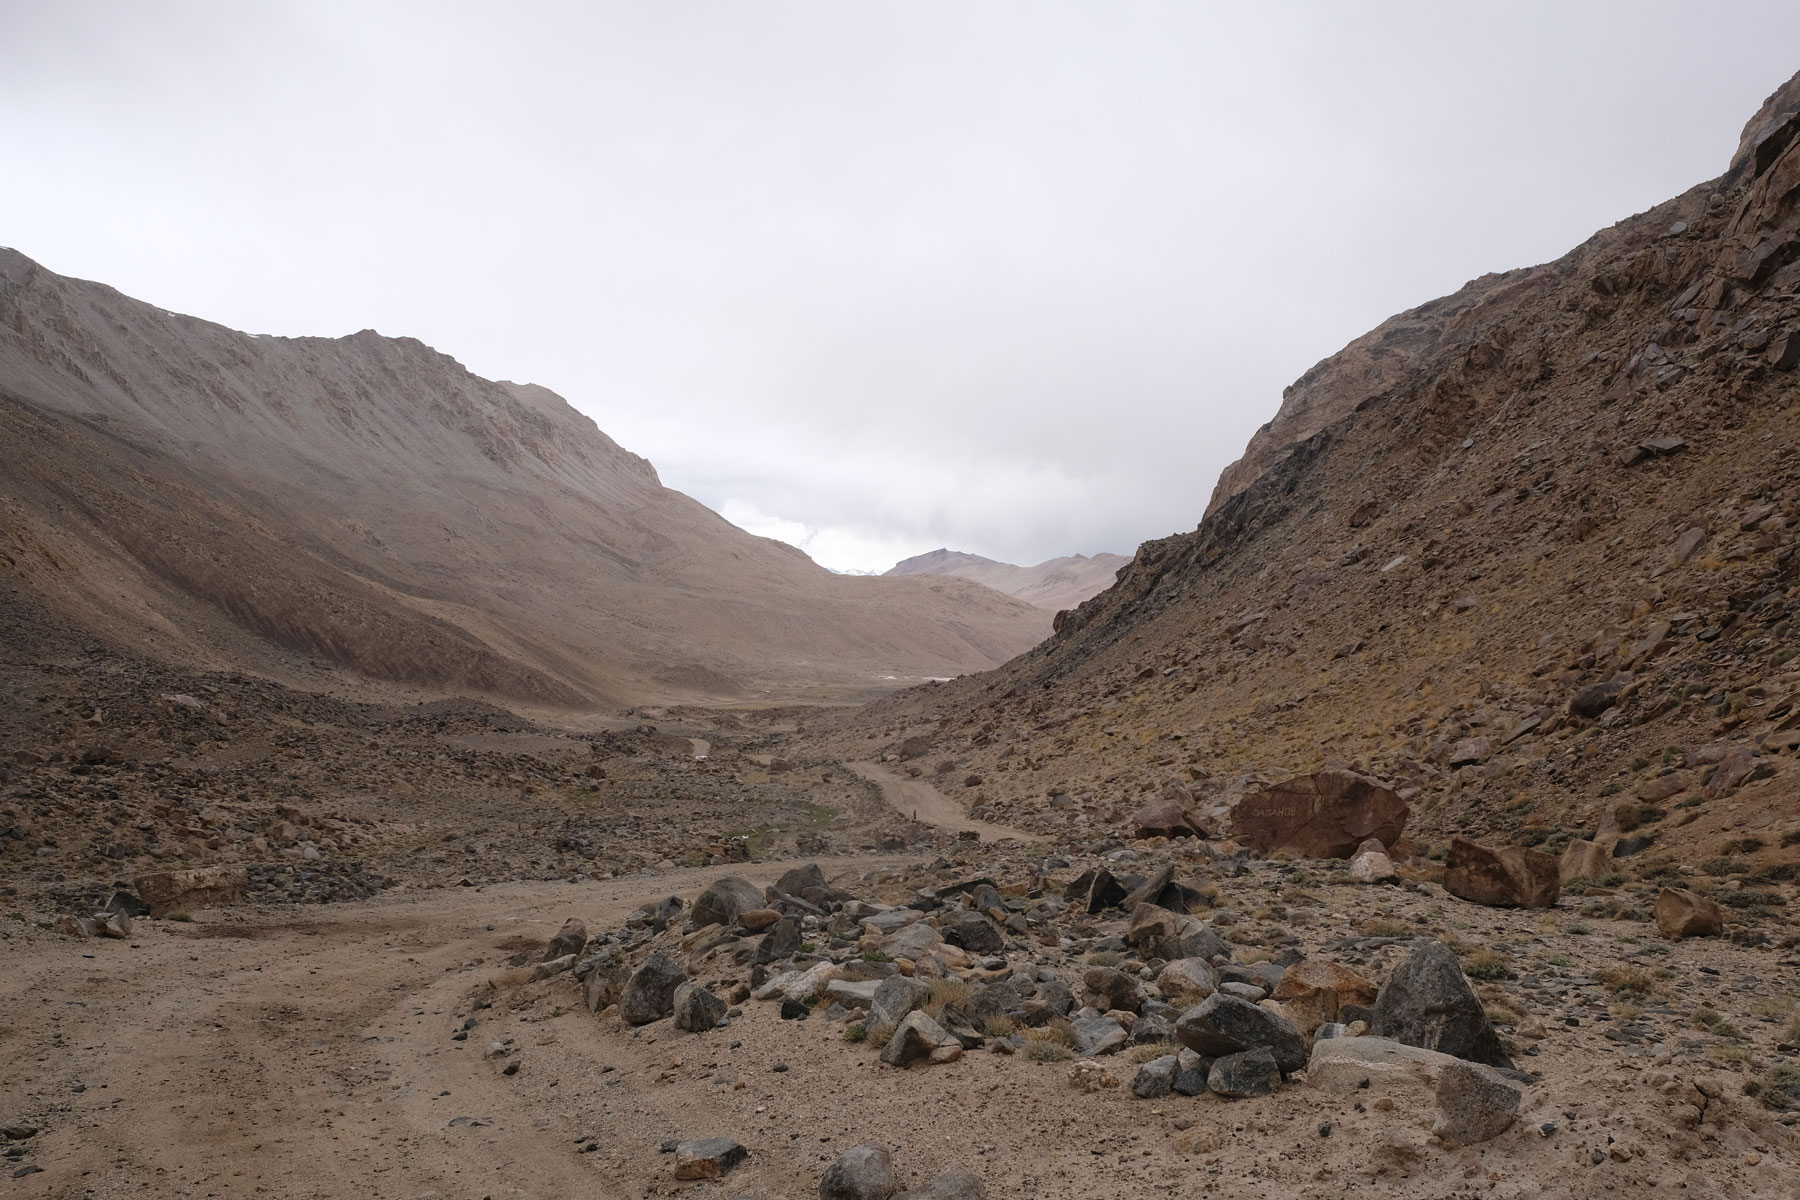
[(920, 801), (308, 1053)]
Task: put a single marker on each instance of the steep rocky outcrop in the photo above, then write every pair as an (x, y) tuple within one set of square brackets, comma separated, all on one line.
[(1517, 550)]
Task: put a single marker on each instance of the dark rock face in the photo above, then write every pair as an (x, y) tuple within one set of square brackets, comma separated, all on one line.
[(1156, 1078), (650, 992), (782, 940), (1223, 1025), (1327, 814), (721, 903), (1247, 1073), (570, 939), (974, 933), (1096, 890), (797, 880), (1504, 877), (1427, 1002)]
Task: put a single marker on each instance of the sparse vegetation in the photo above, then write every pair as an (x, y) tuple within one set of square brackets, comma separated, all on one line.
[(1710, 1019), (1487, 964), (1105, 958)]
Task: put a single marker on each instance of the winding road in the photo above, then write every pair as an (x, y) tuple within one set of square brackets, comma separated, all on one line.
[(918, 800)]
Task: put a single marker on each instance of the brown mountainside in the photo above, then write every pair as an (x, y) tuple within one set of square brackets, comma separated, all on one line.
[(365, 503), (1578, 474), (1054, 584)]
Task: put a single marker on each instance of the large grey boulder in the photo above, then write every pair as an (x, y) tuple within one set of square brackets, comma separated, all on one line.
[(721, 903), (782, 940), (863, 1172), (1224, 1024), (912, 943), (1427, 1001), (650, 992)]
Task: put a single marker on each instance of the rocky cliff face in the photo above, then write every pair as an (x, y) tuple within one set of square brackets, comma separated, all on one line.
[(1577, 476), (366, 503)]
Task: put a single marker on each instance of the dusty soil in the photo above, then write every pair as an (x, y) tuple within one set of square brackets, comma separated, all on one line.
[(919, 801), (308, 1052)]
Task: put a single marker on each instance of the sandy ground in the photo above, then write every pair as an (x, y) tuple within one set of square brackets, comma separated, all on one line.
[(307, 1052), (921, 802)]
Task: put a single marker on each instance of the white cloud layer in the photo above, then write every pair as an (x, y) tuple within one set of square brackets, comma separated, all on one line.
[(1016, 278)]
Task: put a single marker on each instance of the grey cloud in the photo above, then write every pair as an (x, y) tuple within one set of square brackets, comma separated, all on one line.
[(1017, 278)]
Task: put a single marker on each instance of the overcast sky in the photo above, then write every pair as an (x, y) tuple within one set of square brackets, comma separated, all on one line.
[(1013, 278)]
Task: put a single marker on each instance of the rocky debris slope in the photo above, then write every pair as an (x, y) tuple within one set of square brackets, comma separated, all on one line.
[(1539, 567)]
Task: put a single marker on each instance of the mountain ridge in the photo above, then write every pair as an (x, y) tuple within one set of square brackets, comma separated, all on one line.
[(1054, 584), (369, 503)]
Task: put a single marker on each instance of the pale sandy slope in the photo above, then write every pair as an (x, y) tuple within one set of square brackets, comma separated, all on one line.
[(367, 504)]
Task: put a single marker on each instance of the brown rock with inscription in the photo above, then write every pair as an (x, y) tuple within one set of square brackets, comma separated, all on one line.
[(1327, 814)]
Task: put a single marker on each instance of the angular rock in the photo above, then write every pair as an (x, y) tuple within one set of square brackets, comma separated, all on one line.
[(1427, 1002), (755, 920), (912, 943), (1473, 750), (1187, 981), (1350, 1064), (973, 932), (1327, 814), (1684, 914), (554, 966), (1098, 1035), (894, 998), (202, 887), (1507, 877), (920, 1039), (649, 994), (1096, 890), (1172, 935), (1582, 859), (1114, 989), (1371, 864), (852, 995), (721, 903), (603, 985), (1596, 698), (1151, 1029), (1224, 1025), (1475, 1103), (708, 1159), (1168, 815), (802, 987), (863, 1172), (1311, 991), (1156, 1078), (570, 939), (797, 881), (696, 1008), (1191, 1072), (1246, 1073), (782, 940)]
